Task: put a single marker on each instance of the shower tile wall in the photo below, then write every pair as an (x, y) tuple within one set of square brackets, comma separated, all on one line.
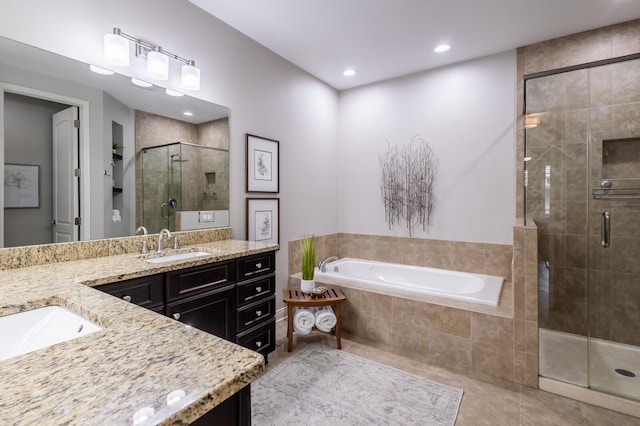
[(574, 240), (153, 130)]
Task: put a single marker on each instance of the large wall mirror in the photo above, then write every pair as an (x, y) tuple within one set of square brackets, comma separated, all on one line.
[(89, 156)]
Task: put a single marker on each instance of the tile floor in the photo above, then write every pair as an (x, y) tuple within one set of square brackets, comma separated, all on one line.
[(482, 403)]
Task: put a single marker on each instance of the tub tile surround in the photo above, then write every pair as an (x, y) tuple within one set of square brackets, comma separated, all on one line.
[(496, 344)]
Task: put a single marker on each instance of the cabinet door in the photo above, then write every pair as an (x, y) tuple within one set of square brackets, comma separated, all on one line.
[(212, 312), (143, 291)]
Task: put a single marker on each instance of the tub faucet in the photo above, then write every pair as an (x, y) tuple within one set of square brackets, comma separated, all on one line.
[(322, 265), (163, 232)]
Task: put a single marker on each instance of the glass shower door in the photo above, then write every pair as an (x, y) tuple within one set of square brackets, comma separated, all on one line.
[(614, 230), (582, 152), (161, 175)]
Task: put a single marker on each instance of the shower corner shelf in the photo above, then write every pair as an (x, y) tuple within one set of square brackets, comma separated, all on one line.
[(616, 194)]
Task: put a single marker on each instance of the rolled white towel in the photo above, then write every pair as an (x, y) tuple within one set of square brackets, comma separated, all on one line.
[(303, 320), (325, 318)]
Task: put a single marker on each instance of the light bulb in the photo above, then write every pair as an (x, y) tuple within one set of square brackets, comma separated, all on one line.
[(190, 76), (158, 64), (116, 49)]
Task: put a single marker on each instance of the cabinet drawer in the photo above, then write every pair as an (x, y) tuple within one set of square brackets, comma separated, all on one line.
[(211, 312), (143, 291), (250, 315), (253, 290), (187, 282), (256, 265), (261, 339)]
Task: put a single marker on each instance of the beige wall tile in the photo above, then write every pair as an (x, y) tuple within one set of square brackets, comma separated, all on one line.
[(492, 330), (496, 361)]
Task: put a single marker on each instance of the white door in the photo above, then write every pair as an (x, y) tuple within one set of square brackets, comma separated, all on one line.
[(66, 198)]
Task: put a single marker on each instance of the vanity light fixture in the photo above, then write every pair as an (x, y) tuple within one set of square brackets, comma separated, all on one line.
[(441, 48), (140, 83), (99, 70), (117, 52), (349, 72)]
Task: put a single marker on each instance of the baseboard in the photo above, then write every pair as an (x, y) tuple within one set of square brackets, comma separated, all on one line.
[(281, 314), (611, 402)]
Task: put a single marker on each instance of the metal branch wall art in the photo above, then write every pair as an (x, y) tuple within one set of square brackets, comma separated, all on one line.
[(407, 175)]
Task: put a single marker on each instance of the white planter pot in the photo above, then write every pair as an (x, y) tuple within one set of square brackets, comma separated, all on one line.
[(307, 285)]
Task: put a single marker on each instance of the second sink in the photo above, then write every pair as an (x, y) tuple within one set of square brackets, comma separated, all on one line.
[(179, 256)]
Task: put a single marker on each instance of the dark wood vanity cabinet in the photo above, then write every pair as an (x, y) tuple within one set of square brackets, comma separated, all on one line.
[(233, 299)]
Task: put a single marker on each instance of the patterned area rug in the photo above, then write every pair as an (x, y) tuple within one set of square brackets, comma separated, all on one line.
[(325, 386)]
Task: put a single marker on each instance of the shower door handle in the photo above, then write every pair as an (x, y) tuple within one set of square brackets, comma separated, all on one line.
[(605, 229), (162, 210)]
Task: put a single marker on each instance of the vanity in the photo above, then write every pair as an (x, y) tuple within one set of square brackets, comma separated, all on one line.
[(151, 346)]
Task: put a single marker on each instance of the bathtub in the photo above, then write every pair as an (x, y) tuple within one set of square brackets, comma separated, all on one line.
[(475, 288)]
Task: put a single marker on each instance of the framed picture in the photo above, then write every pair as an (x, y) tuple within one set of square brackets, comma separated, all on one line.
[(21, 186), (263, 158), (263, 220)]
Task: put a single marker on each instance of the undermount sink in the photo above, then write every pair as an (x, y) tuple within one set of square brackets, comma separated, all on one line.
[(28, 331), (179, 256)]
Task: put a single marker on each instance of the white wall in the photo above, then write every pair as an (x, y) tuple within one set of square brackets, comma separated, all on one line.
[(466, 112), (267, 95)]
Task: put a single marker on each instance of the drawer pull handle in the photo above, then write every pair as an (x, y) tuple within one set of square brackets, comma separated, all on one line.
[(258, 313), (258, 265), (258, 289), (176, 315), (126, 298), (258, 344)]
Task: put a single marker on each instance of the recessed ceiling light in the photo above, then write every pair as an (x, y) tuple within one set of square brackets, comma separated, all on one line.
[(173, 92), (349, 72), (442, 48), (188, 113), (99, 70), (140, 83)]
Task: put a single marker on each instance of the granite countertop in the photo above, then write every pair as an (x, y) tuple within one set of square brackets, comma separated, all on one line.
[(133, 362)]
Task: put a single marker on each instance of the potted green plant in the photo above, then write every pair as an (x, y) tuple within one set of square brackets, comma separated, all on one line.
[(308, 262)]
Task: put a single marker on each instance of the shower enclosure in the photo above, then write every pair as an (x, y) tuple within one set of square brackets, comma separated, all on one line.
[(182, 177), (582, 190)]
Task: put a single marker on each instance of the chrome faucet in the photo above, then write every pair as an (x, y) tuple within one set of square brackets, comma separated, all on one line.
[(144, 231), (162, 233), (322, 265)]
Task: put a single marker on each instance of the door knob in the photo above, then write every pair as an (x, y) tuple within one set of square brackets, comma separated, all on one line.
[(126, 298), (176, 315)]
